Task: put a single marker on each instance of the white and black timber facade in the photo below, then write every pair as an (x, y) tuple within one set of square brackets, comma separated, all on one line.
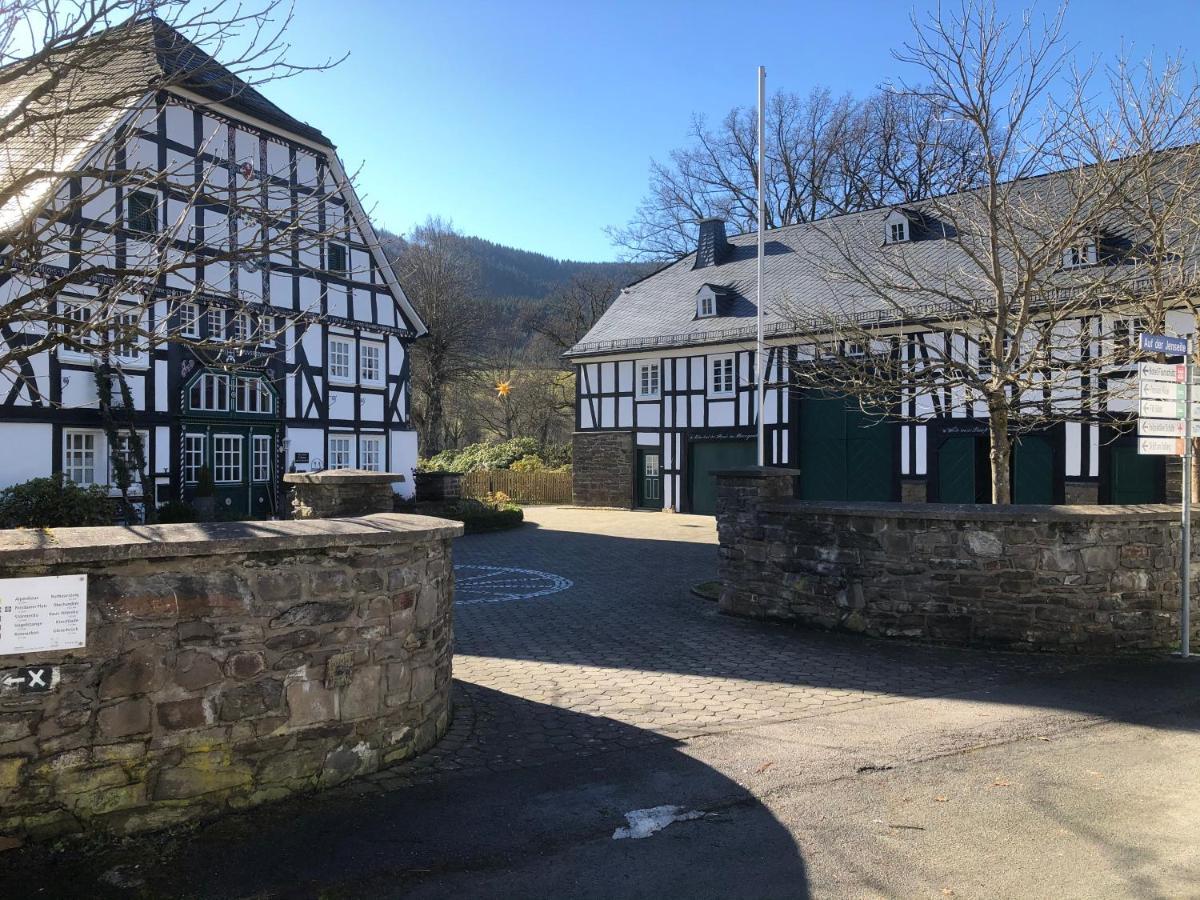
[(666, 395), (326, 387)]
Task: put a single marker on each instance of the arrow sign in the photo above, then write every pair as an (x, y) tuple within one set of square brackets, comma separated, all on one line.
[(1163, 343), (32, 679), (1160, 446), (1161, 390), (1151, 371), (1171, 428)]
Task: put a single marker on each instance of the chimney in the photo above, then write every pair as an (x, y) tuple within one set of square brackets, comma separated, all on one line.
[(712, 248)]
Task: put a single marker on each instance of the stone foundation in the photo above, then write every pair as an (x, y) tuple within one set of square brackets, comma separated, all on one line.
[(914, 490), (225, 666), (341, 492), (602, 471), (1098, 579), (1081, 493)]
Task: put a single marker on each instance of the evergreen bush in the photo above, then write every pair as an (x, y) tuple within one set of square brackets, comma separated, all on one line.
[(54, 502)]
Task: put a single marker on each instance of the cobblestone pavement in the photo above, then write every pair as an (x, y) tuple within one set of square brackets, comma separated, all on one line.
[(577, 634)]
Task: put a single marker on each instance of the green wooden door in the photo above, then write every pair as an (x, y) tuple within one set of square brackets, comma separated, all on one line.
[(956, 470), (242, 462), (1133, 478), (842, 453), (1033, 469), (707, 457), (649, 485)]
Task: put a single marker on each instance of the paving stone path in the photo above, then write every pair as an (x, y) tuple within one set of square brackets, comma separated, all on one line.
[(577, 634)]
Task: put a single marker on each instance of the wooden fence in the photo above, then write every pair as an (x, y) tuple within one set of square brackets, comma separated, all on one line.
[(523, 487)]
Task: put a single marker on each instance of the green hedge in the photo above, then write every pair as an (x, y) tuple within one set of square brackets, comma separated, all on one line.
[(500, 455), (54, 502)]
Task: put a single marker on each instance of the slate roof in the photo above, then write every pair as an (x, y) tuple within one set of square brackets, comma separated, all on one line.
[(659, 310), (96, 88)]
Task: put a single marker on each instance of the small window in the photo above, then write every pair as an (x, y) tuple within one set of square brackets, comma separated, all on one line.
[(722, 382), (189, 320), (122, 448), (79, 456), (337, 258), (370, 363), (251, 395), (216, 324), (648, 380), (79, 327), (339, 453), (261, 469), (227, 458), (370, 454), (341, 359), (210, 393), (242, 329), (854, 349), (142, 213), (897, 232), (126, 338), (1079, 255), (193, 457), (706, 304)]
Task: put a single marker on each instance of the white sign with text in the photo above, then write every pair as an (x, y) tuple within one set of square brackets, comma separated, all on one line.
[(39, 614)]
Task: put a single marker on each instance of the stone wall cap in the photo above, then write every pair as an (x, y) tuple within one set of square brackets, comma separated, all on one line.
[(981, 512), (51, 546), (342, 476), (756, 472)]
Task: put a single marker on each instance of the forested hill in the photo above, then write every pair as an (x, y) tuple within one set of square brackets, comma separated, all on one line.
[(506, 272)]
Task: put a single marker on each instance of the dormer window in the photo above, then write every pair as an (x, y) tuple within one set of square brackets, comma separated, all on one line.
[(706, 302), (896, 228), (1079, 255)]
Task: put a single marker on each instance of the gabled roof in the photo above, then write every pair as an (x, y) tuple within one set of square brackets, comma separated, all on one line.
[(658, 312)]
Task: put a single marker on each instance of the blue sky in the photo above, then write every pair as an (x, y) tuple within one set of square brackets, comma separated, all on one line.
[(533, 123)]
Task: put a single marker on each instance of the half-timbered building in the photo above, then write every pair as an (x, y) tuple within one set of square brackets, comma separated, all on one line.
[(667, 394), (316, 374)]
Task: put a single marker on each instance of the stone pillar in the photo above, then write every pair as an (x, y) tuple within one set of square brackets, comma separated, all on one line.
[(438, 485), (336, 493), (741, 531), (602, 468)]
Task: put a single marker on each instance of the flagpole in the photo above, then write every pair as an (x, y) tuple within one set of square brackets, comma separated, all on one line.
[(760, 349)]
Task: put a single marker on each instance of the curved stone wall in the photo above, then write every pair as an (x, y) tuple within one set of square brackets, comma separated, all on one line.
[(1098, 579), (226, 665)]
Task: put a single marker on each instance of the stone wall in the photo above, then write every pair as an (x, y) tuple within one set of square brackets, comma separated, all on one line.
[(602, 468), (341, 492), (226, 665), (1076, 578)]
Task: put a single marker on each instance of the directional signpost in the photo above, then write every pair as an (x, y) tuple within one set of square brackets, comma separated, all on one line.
[(1167, 421)]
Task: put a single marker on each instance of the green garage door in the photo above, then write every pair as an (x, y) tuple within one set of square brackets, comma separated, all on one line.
[(1033, 469), (707, 457), (844, 454), (960, 477)]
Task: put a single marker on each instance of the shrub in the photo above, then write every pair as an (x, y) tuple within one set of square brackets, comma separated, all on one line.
[(494, 513), (530, 463), (522, 453), (54, 502)]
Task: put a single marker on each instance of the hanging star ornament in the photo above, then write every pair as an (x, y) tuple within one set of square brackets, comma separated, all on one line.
[(503, 388)]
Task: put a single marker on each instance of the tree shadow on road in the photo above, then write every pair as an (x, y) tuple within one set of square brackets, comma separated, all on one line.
[(521, 802)]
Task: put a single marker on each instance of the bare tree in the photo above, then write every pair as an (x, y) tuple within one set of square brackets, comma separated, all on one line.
[(570, 312), (1001, 311), (825, 155), (431, 265)]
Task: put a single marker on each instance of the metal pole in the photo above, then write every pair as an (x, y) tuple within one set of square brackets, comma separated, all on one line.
[(1185, 555), (760, 362)]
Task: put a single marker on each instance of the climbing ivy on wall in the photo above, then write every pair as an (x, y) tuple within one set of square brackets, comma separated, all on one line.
[(118, 423)]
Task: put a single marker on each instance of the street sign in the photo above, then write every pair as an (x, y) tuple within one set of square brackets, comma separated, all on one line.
[(1161, 409), (1171, 428), (1152, 371), (40, 614), (1163, 343), (1161, 390), (31, 679), (1160, 446)]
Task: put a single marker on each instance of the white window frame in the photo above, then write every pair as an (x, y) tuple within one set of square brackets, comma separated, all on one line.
[(240, 458), (260, 458), (649, 379), (897, 232), (1079, 256), (706, 305), (341, 458), (243, 328), (126, 319), (218, 332), (245, 387), (79, 310), (370, 453), (366, 348), (189, 320), (194, 459), (206, 379), (723, 384), (88, 449), (349, 363)]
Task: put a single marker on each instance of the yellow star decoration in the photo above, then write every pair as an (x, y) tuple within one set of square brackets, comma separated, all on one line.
[(503, 388)]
